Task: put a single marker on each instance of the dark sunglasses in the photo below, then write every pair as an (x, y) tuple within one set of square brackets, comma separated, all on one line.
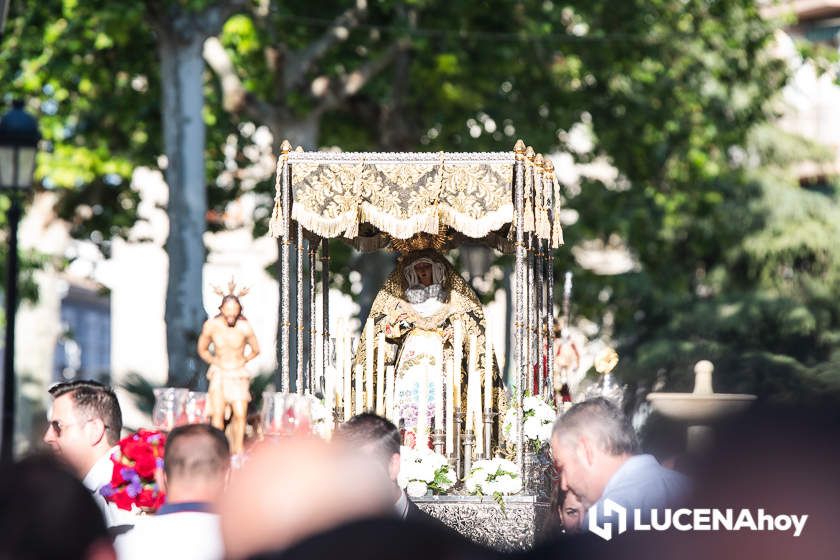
[(57, 426)]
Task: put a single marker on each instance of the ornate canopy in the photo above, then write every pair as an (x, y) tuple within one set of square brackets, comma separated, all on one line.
[(371, 198)]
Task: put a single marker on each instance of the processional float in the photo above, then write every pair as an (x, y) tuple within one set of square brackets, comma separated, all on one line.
[(419, 201)]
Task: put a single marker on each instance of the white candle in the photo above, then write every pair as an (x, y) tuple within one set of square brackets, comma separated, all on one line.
[(389, 393), (380, 374), (488, 371), (347, 376), (359, 404), (450, 411), (472, 382), (369, 340), (478, 418), (457, 357), (423, 411), (329, 388), (438, 402)]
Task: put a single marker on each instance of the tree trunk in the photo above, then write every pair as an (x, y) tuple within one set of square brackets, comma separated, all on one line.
[(182, 69)]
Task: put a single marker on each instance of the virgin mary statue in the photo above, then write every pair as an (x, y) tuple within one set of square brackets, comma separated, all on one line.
[(417, 310)]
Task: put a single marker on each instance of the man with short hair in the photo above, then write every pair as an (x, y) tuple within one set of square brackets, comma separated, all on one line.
[(597, 455), (380, 438), (84, 428), (195, 473)]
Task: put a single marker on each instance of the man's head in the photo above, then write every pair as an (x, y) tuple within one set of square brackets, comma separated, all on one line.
[(85, 422), (196, 461), (375, 436), (45, 512), (230, 309), (589, 444)]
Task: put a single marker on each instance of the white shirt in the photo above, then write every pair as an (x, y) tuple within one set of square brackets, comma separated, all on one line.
[(98, 476), (186, 535)]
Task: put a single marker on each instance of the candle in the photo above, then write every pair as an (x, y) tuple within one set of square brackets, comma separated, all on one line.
[(389, 393), (450, 411), (329, 388), (457, 355), (472, 382), (478, 419), (359, 405), (369, 340), (380, 374), (439, 402), (347, 376), (488, 371), (423, 411)]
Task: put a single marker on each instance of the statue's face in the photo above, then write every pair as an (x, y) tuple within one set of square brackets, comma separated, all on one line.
[(424, 273), (230, 312)]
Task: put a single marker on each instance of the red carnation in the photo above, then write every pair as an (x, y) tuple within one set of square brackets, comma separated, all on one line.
[(146, 498), (122, 499), (135, 449), (116, 474), (145, 466)]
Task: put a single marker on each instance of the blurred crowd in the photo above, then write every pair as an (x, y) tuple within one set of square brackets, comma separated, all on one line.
[(307, 498)]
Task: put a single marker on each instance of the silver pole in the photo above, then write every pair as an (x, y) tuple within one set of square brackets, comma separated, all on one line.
[(314, 381), (519, 308), (299, 380), (325, 306), (284, 277)]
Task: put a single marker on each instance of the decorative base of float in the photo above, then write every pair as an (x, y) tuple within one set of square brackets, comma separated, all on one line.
[(480, 518)]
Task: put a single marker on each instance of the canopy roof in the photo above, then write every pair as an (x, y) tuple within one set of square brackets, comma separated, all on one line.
[(373, 198)]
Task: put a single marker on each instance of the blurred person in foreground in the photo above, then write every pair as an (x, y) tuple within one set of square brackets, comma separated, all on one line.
[(85, 421), (596, 453), (380, 439), (305, 498), (46, 513), (195, 472)]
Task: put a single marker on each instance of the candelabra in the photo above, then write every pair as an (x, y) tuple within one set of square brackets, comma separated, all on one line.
[(438, 440), (469, 443)]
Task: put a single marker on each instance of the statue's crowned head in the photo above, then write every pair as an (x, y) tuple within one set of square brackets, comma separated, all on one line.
[(230, 309), (424, 275)]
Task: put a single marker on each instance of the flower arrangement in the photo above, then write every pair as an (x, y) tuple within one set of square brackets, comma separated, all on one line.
[(494, 477), (133, 485), (538, 421), (424, 470)]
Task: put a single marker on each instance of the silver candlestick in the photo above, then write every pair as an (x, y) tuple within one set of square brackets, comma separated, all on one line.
[(438, 441), (469, 443), (488, 432)]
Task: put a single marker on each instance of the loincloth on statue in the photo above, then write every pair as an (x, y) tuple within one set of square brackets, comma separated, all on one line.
[(234, 384)]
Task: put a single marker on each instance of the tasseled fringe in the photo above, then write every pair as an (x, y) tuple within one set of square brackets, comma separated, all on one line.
[(400, 228), (528, 200), (323, 226), (275, 224), (557, 232), (476, 228)]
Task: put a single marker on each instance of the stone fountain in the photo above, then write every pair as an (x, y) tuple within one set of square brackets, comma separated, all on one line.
[(699, 408)]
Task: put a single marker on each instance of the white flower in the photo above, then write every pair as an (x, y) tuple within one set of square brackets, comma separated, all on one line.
[(415, 489), (424, 467)]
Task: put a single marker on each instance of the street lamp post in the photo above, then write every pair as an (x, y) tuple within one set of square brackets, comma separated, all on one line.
[(19, 138)]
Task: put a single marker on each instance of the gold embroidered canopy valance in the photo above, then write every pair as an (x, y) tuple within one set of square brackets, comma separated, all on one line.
[(373, 198)]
